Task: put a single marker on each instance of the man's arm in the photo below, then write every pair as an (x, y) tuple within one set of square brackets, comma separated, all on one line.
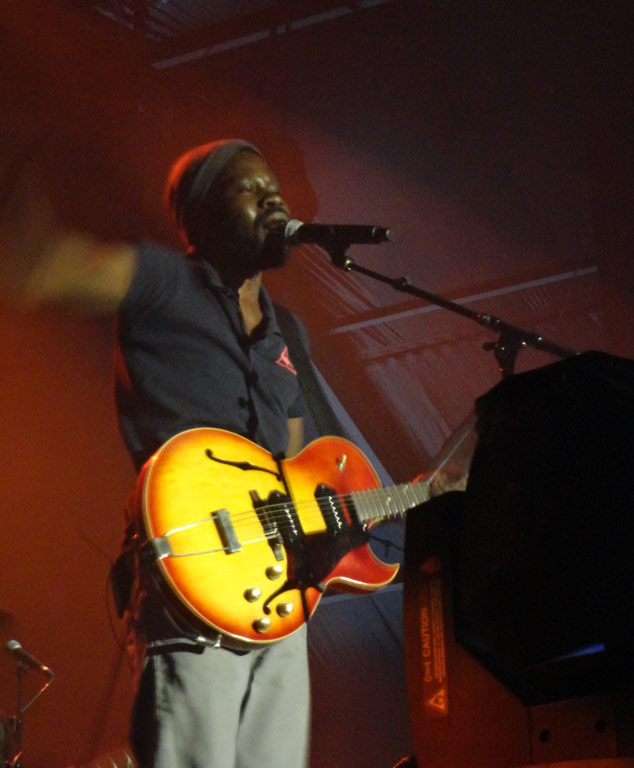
[(41, 262), (77, 270)]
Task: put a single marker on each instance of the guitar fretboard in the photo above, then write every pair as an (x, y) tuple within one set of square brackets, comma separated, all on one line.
[(388, 503)]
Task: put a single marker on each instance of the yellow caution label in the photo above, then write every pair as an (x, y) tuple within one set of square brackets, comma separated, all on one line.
[(432, 638)]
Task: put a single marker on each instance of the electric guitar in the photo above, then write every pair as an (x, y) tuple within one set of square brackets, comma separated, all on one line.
[(248, 544)]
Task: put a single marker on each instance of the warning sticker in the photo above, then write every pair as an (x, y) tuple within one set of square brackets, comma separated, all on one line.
[(432, 637), (439, 701)]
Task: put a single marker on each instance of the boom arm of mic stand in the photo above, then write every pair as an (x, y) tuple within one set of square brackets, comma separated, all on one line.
[(511, 339)]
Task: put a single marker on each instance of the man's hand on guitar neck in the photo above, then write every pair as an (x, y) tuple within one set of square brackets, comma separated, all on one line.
[(449, 477)]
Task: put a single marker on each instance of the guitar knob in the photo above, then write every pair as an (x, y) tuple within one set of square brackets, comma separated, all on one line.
[(273, 572), (252, 594), (261, 625), (284, 609)]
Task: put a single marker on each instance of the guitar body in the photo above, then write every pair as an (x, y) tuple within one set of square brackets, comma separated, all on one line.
[(234, 555)]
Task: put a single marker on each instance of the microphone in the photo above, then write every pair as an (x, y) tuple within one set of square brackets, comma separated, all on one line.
[(297, 232), (14, 649)]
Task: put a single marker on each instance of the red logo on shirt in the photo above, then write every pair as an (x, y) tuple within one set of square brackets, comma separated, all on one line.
[(285, 361)]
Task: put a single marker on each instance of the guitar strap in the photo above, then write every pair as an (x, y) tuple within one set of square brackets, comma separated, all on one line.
[(320, 409)]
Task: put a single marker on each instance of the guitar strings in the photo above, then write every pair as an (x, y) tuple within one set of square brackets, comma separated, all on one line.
[(282, 512), (279, 511)]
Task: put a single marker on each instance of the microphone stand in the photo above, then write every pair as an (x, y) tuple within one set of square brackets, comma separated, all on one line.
[(511, 339), (17, 720)]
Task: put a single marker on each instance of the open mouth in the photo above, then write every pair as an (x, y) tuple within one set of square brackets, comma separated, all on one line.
[(275, 221)]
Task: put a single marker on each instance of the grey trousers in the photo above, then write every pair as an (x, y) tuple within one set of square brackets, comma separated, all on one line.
[(205, 707)]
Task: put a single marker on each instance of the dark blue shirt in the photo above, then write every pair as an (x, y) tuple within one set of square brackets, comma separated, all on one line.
[(184, 359)]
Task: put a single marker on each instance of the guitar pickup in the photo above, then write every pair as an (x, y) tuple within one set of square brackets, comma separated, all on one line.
[(226, 531)]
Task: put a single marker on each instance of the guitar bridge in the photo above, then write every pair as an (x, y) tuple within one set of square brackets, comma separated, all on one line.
[(226, 531)]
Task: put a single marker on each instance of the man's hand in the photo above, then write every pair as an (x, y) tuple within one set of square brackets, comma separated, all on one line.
[(450, 477), (44, 263)]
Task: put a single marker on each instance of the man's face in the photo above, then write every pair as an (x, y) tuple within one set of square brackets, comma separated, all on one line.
[(247, 208)]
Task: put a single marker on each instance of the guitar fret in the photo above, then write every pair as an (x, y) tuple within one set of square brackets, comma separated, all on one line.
[(367, 499), (388, 503), (363, 506), (383, 498), (398, 506), (422, 492), (405, 505), (389, 510), (411, 496), (377, 507), (357, 501)]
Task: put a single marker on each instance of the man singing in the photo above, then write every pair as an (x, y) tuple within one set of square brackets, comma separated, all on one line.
[(198, 345)]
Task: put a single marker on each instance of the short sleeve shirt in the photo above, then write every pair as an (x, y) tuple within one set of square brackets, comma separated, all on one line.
[(184, 359)]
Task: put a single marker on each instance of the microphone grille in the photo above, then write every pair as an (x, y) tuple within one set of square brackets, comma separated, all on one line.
[(11, 646), (291, 228)]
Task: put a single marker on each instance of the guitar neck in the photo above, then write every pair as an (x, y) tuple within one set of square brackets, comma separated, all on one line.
[(388, 503)]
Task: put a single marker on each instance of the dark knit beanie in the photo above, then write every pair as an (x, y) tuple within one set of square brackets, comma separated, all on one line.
[(191, 179)]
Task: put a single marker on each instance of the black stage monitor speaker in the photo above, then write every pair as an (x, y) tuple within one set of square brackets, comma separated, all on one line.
[(519, 593)]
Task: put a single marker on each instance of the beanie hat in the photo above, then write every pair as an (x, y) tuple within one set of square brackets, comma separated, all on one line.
[(192, 177)]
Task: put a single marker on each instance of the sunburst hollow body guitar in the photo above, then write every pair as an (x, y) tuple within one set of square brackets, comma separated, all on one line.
[(247, 544)]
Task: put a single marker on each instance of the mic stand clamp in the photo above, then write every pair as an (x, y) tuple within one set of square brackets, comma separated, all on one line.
[(511, 339), (338, 253)]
